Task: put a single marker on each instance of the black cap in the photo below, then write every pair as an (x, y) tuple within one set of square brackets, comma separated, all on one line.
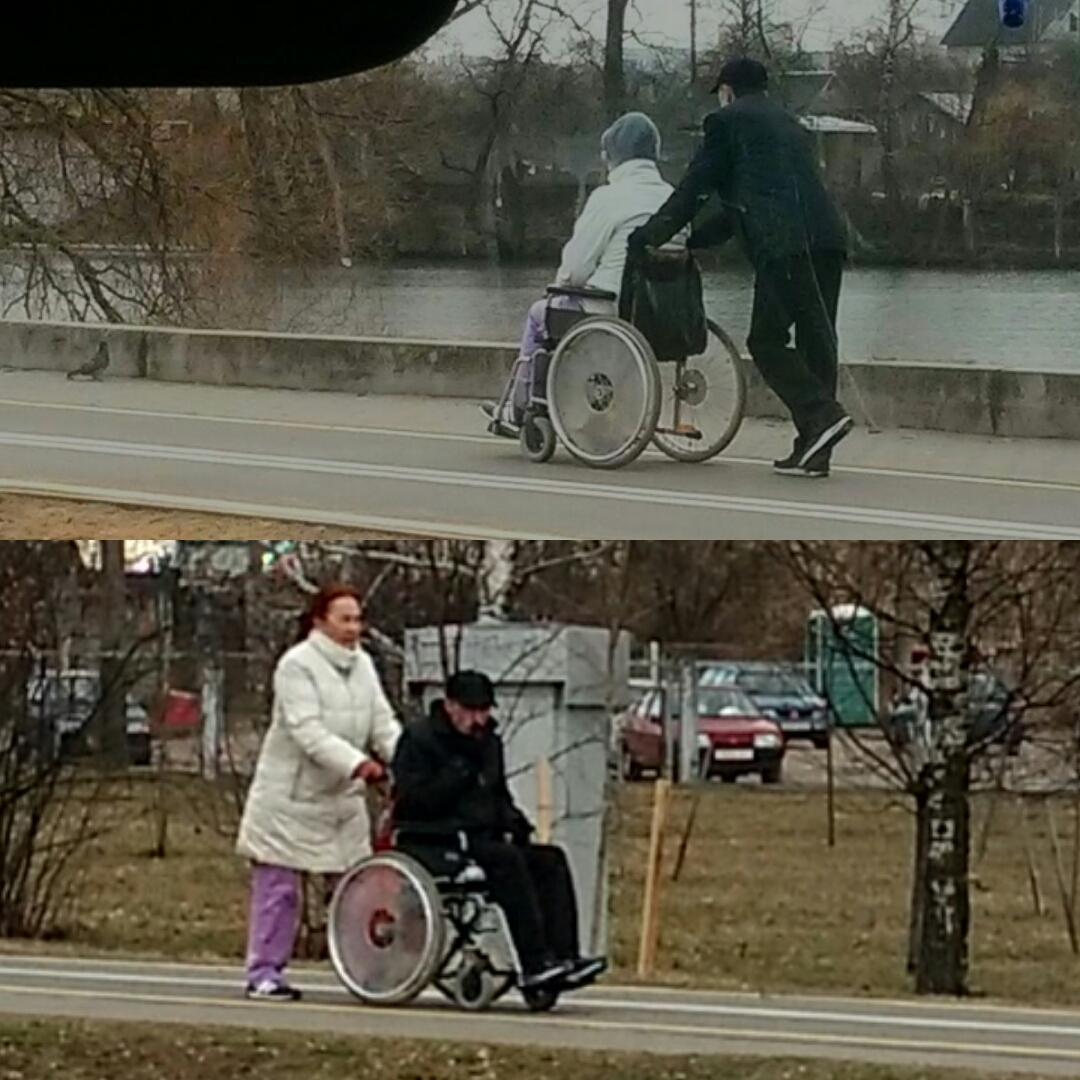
[(471, 689), (741, 75)]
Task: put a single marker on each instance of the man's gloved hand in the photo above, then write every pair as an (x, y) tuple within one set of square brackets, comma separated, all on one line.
[(636, 241), (521, 830)]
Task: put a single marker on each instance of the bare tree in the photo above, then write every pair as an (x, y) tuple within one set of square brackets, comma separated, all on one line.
[(894, 37), (614, 58), (113, 733), (1004, 610), (496, 85), (942, 964), (91, 211), (756, 28), (48, 812)]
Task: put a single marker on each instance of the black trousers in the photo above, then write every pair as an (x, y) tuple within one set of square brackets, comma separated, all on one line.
[(534, 887), (801, 292)]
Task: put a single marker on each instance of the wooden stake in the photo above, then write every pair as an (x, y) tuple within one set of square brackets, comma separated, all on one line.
[(1029, 859), (684, 843), (1059, 870), (544, 805), (650, 915), (983, 842)]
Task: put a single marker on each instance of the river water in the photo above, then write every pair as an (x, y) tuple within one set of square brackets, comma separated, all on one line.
[(1024, 319), (1004, 319)]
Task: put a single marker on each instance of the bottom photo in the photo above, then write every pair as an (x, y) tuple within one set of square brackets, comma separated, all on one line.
[(424, 808)]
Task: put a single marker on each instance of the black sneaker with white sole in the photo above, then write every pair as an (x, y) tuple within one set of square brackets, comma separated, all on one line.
[(551, 976), (824, 439), (585, 971), (791, 462), (817, 468)]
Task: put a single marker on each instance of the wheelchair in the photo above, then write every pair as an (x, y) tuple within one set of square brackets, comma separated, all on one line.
[(396, 927), (598, 390)]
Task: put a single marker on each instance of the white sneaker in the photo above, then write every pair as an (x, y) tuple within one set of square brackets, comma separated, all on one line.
[(271, 990)]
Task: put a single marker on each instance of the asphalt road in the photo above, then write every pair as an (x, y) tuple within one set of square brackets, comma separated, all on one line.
[(610, 1018), (421, 466)]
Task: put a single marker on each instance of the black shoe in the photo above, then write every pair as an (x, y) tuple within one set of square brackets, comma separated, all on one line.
[(817, 468), (271, 990), (585, 971), (824, 439), (791, 462), (499, 425), (548, 977)]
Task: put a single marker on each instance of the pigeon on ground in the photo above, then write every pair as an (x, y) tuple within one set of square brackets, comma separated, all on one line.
[(96, 367)]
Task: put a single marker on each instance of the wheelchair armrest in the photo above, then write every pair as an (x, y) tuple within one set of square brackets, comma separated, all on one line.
[(452, 838), (582, 292)]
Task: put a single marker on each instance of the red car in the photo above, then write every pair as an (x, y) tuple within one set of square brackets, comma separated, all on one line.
[(734, 738)]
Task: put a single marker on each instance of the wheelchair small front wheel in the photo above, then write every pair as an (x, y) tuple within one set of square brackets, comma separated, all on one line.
[(474, 986), (538, 440)]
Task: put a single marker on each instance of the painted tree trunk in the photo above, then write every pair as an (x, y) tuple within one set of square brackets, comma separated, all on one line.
[(946, 903)]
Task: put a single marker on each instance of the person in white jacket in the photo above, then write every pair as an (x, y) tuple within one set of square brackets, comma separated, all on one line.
[(595, 255), (331, 730)]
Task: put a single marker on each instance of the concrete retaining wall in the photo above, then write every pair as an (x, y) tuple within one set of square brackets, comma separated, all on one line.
[(961, 399)]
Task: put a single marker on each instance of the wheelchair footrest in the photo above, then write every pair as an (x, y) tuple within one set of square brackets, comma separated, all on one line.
[(684, 431)]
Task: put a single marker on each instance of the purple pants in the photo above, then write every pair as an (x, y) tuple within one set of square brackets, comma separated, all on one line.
[(273, 921), (532, 340)]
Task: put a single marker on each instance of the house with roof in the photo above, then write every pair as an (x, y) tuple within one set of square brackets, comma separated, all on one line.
[(807, 91), (935, 120), (848, 149), (978, 26)]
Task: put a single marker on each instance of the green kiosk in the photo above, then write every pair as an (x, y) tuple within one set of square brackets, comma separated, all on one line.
[(842, 663)]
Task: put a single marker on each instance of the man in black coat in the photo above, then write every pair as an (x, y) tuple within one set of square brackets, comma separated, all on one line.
[(761, 163), (449, 776)]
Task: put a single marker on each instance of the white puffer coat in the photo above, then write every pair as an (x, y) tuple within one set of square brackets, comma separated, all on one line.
[(596, 253), (304, 810)]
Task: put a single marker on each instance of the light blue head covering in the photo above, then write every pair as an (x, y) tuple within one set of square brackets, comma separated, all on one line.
[(631, 136)]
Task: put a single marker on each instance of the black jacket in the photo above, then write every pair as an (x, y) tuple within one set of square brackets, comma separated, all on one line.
[(446, 781), (762, 164)]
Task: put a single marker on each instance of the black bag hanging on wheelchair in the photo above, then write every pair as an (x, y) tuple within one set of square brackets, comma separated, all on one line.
[(662, 296)]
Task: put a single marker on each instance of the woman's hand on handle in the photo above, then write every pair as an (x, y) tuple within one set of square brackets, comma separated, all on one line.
[(370, 771)]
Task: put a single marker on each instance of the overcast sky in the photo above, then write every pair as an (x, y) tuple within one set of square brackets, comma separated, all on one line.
[(667, 22)]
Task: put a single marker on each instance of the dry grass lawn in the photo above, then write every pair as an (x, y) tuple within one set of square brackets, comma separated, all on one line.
[(762, 903), (31, 518), (128, 1052)]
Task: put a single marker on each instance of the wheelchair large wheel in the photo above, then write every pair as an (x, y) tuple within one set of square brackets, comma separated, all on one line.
[(603, 392), (386, 931), (705, 397)]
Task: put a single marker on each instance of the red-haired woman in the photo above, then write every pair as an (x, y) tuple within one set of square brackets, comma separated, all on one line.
[(331, 729)]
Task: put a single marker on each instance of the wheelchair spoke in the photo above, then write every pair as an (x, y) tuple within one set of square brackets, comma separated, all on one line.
[(707, 396), (603, 392), (394, 930), (386, 930)]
